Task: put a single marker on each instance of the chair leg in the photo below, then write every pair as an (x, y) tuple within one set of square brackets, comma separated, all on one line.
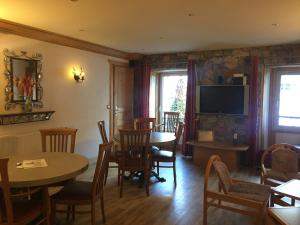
[(118, 176), (220, 190), (204, 211), (121, 183), (174, 173), (106, 173), (93, 221), (73, 212), (157, 167), (69, 211), (146, 177), (53, 212), (292, 202), (102, 208)]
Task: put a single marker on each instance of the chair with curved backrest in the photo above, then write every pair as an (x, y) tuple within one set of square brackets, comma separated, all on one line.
[(284, 164), (238, 196), (18, 208), (58, 139), (135, 154), (84, 192), (284, 167), (111, 158), (168, 156), (144, 123)]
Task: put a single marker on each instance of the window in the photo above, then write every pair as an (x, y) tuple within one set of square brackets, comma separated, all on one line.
[(289, 98), (167, 93), (173, 94), (284, 99)]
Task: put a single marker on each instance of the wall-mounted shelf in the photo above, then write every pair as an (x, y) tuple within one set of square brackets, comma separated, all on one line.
[(7, 119)]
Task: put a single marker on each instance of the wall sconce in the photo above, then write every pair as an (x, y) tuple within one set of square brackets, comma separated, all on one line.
[(78, 75)]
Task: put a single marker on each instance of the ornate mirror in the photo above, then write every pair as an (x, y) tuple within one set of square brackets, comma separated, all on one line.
[(23, 74)]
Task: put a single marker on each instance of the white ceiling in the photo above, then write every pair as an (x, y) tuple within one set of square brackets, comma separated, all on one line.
[(161, 26)]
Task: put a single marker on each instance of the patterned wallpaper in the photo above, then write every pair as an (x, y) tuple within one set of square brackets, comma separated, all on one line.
[(224, 63)]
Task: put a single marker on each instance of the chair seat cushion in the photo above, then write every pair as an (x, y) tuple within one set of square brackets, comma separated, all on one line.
[(282, 176), (257, 192), (162, 154), (77, 190), (154, 148)]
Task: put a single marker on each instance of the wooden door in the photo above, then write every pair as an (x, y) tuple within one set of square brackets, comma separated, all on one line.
[(121, 96)]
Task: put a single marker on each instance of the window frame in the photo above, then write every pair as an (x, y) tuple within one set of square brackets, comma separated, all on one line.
[(160, 97), (275, 98)]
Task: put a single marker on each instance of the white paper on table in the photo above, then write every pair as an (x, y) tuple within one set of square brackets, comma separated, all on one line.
[(35, 163)]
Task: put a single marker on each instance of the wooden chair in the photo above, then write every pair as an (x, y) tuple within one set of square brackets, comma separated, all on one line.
[(171, 120), (17, 209), (59, 139), (284, 167), (238, 196), (111, 158), (84, 192), (159, 156), (135, 155), (144, 123)]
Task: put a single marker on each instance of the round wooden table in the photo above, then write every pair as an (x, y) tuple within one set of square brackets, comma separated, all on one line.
[(156, 138), (61, 167)]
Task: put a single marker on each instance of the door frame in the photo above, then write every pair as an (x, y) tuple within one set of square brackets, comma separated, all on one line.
[(273, 108), (112, 64)]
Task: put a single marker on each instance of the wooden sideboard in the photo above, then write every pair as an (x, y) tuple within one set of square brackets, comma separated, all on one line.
[(229, 153)]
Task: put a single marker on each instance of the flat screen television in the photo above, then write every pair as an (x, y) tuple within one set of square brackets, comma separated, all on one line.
[(224, 99)]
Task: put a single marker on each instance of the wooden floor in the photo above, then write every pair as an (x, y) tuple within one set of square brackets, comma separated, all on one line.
[(166, 205)]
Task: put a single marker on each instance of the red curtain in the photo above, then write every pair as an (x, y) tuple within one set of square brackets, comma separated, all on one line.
[(190, 110), (142, 73), (253, 153)]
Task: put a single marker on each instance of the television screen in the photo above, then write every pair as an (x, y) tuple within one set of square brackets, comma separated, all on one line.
[(229, 99)]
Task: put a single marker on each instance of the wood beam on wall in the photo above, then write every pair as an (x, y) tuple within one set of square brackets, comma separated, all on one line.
[(51, 37)]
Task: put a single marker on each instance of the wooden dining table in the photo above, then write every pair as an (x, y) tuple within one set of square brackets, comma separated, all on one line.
[(156, 138), (60, 167)]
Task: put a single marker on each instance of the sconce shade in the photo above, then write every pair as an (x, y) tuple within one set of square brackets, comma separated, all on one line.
[(78, 75)]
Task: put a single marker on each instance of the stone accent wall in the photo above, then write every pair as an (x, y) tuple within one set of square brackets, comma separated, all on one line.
[(224, 63)]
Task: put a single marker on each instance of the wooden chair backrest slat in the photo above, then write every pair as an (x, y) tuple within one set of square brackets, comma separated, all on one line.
[(171, 120), (99, 175), (101, 125), (57, 139), (144, 123)]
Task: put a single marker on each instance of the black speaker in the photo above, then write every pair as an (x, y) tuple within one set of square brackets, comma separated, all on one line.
[(132, 63), (237, 80)]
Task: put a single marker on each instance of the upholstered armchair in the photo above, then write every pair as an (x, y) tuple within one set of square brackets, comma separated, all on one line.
[(238, 196), (284, 164), (283, 160)]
